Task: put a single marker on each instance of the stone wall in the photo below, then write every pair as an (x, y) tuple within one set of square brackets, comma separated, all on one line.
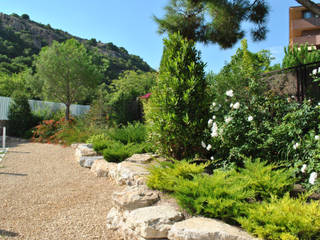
[(139, 213)]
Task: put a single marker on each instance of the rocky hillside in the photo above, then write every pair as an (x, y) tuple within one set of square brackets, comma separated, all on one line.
[(21, 38)]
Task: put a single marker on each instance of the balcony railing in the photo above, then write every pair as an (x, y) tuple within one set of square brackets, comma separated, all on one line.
[(310, 39)]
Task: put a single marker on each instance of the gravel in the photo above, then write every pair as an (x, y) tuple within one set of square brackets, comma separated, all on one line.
[(45, 194)]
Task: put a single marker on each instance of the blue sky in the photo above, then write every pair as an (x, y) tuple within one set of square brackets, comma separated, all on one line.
[(129, 24)]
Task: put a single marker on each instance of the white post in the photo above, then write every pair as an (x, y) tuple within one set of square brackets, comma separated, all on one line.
[(4, 138)]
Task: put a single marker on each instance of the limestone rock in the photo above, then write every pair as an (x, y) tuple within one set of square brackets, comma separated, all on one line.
[(141, 158), (153, 222), (87, 161), (84, 150), (135, 197), (199, 228), (114, 219), (129, 173), (101, 167)]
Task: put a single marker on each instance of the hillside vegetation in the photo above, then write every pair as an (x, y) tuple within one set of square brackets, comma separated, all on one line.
[(21, 39)]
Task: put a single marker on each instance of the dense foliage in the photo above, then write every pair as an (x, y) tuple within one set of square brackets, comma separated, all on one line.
[(125, 91), (66, 72), (117, 144), (20, 116), (241, 73), (177, 110), (214, 21), (255, 196), (299, 55)]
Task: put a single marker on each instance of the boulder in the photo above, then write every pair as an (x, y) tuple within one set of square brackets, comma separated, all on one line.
[(135, 197), (199, 228), (130, 173), (153, 222), (101, 168), (114, 219), (88, 161), (141, 158), (84, 150)]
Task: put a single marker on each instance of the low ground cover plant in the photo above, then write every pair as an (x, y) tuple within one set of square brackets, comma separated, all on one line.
[(242, 196)]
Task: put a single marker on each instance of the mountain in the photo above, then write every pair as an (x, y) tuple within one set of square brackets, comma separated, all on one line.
[(21, 39)]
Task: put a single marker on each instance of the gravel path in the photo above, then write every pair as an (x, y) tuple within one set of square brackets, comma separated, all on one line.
[(45, 194)]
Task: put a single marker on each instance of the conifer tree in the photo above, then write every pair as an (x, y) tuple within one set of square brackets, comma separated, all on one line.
[(177, 111)]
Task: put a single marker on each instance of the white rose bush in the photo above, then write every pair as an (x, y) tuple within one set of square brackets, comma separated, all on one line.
[(265, 127)]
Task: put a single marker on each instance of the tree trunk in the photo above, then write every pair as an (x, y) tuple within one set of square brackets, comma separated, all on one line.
[(67, 112), (313, 7)]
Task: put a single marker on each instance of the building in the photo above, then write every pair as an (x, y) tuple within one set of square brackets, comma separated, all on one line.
[(304, 27)]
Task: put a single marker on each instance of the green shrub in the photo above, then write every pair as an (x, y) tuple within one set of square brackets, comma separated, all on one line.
[(272, 128), (116, 152), (224, 195), (20, 116), (164, 177), (132, 133), (96, 138), (284, 218), (265, 179), (100, 144), (177, 110)]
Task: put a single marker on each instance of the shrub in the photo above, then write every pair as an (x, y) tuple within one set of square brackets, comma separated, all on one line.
[(132, 133), (164, 176), (225, 194), (52, 131), (284, 218), (96, 138), (116, 152), (178, 107), (20, 116), (276, 129)]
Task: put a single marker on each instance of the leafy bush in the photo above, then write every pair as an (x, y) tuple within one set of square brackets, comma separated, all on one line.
[(132, 133), (116, 152), (123, 102), (97, 138), (297, 55), (284, 218), (20, 116), (276, 129), (58, 131), (178, 107), (164, 176), (225, 194)]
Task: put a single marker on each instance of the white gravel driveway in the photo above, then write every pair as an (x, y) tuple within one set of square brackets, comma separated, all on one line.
[(45, 194)]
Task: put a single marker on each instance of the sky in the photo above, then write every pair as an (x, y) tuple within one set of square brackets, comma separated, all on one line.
[(129, 24)]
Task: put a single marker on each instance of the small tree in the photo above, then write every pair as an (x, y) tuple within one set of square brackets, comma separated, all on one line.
[(67, 72), (25, 16), (177, 111), (20, 116)]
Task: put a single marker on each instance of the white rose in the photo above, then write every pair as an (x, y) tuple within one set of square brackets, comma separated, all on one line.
[(228, 119), (229, 93), (236, 105), (209, 147), (313, 178), (304, 168), (250, 118)]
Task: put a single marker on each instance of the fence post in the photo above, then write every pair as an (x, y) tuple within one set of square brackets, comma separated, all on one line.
[(4, 138)]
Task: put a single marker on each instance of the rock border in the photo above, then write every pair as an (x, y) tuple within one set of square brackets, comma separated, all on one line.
[(139, 213)]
